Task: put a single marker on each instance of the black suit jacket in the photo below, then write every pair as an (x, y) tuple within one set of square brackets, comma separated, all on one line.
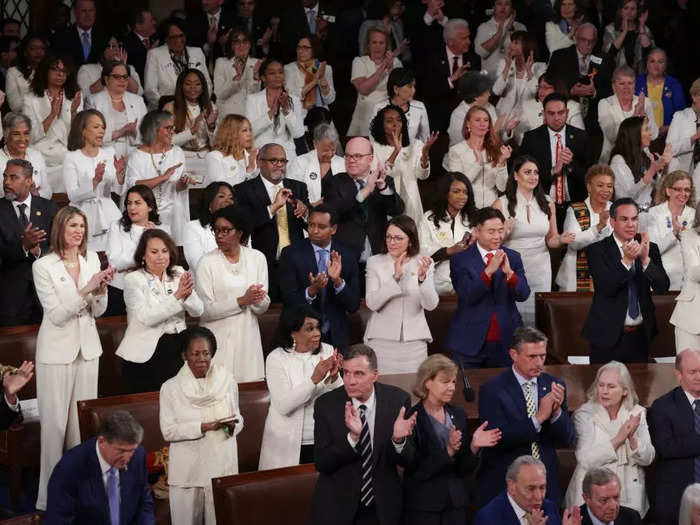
[(626, 516), (677, 444), (536, 142), (606, 318), (18, 301), (297, 261), (434, 481), (198, 29), (69, 43), (357, 221), (137, 53), (7, 415), (295, 25), (337, 494)]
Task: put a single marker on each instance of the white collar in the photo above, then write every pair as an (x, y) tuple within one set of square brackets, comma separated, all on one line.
[(81, 31), (104, 466), (270, 185), (311, 9), (580, 56), (519, 511), (483, 251), (371, 401), (691, 399), (552, 133), (521, 379), (27, 201), (450, 55), (595, 520), (215, 15), (617, 241)]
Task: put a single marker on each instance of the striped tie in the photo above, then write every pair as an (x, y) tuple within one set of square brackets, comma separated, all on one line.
[(366, 492), (531, 411), (696, 406)]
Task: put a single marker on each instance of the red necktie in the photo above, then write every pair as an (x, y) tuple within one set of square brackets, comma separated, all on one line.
[(559, 184)]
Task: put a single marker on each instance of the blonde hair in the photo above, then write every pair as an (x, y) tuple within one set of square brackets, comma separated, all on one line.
[(623, 378), (694, 88), (429, 369), (668, 181), (376, 29), (690, 500), (58, 230), (226, 139)]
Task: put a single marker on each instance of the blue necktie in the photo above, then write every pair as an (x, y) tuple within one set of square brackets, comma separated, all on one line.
[(366, 470), (113, 495), (311, 17), (323, 268), (86, 45), (632, 296), (696, 414)]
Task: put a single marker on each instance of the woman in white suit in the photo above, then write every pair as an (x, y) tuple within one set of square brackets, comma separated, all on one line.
[(157, 294), (400, 288), (122, 110), (236, 74), (90, 74), (612, 432), (232, 157), (274, 113), (166, 62), (17, 133), (200, 418), (312, 167), (72, 291), (298, 371), (687, 311), (51, 105), (683, 133), (621, 105), (232, 282)]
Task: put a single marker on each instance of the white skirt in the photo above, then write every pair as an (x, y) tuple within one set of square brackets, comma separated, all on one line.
[(398, 357)]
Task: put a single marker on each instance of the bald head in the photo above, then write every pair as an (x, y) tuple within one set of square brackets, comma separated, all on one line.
[(358, 157), (688, 371)]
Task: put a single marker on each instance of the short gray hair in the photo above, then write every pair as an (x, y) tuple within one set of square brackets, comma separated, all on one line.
[(514, 468), (326, 131), (451, 27), (690, 500), (262, 152), (679, 355), (659, 51), (527, 334), (361, 350), (625, 380), (120, 426), (13, 118), (598, 476), (588, 25), (150, 124), (27, 168), (623, 71)]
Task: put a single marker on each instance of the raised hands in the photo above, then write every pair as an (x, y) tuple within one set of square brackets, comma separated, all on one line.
[(32, 237), (316, 283), (403, 427), (639, 110), (353, 422), (322, 368), (482, 438), (335, 267), (572, 516), (495, 263), (454, 442), (98, 282), (566, 237), (185, 286), (99, 174), (253, 295), (423, 267), (13, 382), (75, 104), (398, 266), (504, 155)]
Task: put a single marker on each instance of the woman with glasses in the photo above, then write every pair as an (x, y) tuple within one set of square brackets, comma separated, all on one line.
[(122, 109), (672, 215), (399, 289), (91, 80), (20, 76), (165, 63), (236, 75), (687, 311), (232, 282)]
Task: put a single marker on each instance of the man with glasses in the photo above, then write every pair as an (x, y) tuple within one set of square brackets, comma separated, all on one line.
[(276, 208), (81, 41)]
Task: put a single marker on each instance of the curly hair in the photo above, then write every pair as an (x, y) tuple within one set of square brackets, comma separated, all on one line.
[(376, 128), (511, 192), (40, 82), (146, 194), (439, 209)]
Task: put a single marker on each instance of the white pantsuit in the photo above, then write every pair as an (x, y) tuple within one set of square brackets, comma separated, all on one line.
[(434, 238), (686, 314), (306, 168), (660, 229), (265, 130), (485, 176), (67, 352), (160, 74), (16, 88), (611, 115), (134, 111), (231, 94)]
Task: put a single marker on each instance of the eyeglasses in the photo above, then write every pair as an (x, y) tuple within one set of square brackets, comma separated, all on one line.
[(684, 190), (113, 46), (357, 156), (119, 77), (276, 162), (394, 238), (59, 70), (222, 231), (304, 48), (241, 41), (176, 37)]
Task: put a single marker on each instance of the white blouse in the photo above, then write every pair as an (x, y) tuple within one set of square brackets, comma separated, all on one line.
[(626, 187), (222, 168), (433, 239), (485, 176), (40, 177), (88, 74)]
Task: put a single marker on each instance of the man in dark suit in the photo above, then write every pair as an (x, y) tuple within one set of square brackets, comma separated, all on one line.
[(674, 427), (601, 492), (529, 406), (103, 481), (251, 22), (308, 17), (139, 40), (624, 266), (210, 28), (488, 280), (439, 67), (25, 228), (276, 208), (81, 41), (563, 154), (360, 436), (362, 198), (323, 273), (524, 501)]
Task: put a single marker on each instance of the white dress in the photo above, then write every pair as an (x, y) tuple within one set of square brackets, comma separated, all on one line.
[(16, 88), (227, 169), (528, 239), (660, 229), (40, 177), (197, 240), (88, 74), (432, 239), (231, 95), (97, 203), (173, 205), (485, 177), (626, 187), (364, 67), (219, 285), (416, 117)]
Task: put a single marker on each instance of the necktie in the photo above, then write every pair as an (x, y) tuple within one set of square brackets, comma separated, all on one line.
[(323, 256), (632, 296), (528, 518), (531, 411), (363, 205), (559, 181), (113, 495), (489, 256), (365, 444), (86, 45), (696, 148), (311, 16), (282, 225), (455, 64), (582, 67), (212, 21), (696, 417), (23, 221)]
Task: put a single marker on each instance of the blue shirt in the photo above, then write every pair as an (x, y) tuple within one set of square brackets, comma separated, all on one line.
[(317, 255)]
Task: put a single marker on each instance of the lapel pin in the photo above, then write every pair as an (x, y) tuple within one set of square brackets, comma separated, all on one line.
[(38, 212)]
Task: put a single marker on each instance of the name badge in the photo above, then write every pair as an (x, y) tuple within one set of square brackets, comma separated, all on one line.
[(596, 60)]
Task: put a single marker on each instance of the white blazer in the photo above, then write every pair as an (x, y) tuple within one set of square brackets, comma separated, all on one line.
[(626, 187), (291, 125), (305, 168), (660, 229), (594, 432), (228, 169), (161, 75), (231, 95), (152, 310), (68, 327), (611, 115), (197, 240), (292, 393), (682, 127), (16, 88), (398, 309), (135, 111), (432, 239), (531, 117), (457, 121), (486, 178), (294, 83), (88, 74), (417, 118), (686, 314), (555, 38)]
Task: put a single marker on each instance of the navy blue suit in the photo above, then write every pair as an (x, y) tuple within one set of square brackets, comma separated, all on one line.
[(477, 302), (499, 511), (672, 97), (296, 262), (502, 404), (77, 493)]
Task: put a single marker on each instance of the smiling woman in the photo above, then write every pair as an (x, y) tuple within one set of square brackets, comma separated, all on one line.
[(17, 132)]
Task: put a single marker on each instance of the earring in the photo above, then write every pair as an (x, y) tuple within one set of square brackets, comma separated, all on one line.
[(294, 344)]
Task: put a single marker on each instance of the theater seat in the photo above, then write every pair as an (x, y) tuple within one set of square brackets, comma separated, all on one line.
[(265, 497), (254, 402), (27, 519)]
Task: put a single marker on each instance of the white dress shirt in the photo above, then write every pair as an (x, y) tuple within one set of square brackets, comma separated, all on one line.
[(596, 521), (104, 468), (629, 321), (519, 511), (450, 61), (28, 209)]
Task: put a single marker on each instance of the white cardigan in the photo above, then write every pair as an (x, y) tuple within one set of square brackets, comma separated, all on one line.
[(160, 74), (231, 95), (432, 239), (660, 229), (306, 168), (485, 178), (68, 326), (291, 394), (135, 110), (611, 115), (291, 125), (152, 310), (294, 83), (682, 127), (686, 314)]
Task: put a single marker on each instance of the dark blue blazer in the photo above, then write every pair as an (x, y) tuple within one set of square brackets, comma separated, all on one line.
[(677, 444), (476, 301), (296, 262), (502, 404), (499, 511), (672, 95), (77, 493)]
